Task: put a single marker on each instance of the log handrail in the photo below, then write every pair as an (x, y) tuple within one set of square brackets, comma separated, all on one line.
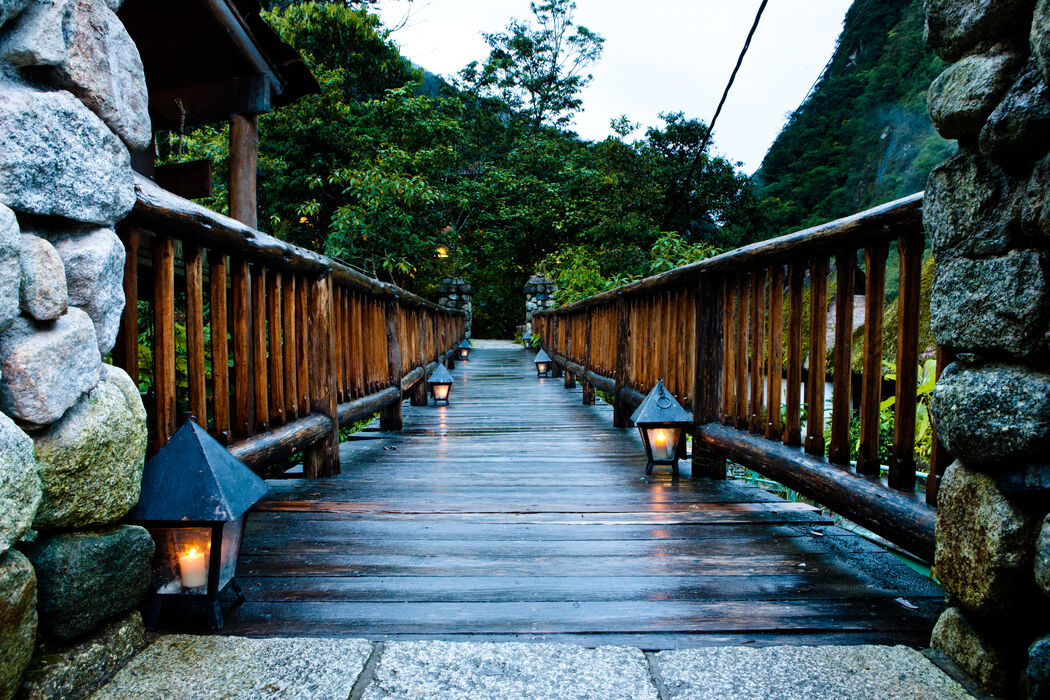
[(726, 334), (314, 344)]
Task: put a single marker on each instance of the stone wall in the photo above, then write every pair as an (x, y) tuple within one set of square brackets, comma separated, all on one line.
[(457, 294), (539, 296), (73, 102), (987, 212)]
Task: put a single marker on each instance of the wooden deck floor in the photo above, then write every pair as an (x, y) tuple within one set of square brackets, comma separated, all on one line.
[(517, 513)]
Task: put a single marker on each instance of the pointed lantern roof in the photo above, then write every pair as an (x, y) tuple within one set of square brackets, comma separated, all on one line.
[(660, 406), (541, 356), (194, 478), (440, 376), (465, 343)]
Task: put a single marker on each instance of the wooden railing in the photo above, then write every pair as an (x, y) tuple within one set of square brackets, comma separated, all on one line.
[(726, 335), (269, 346)]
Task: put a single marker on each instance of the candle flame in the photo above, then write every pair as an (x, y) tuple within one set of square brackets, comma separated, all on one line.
[(660, 437)]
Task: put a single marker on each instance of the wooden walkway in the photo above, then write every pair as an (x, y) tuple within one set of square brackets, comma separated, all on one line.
[(517, 513)]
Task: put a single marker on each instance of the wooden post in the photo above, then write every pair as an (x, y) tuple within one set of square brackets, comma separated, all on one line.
[(220, 346), (164, 336), (588, 388), (868, 462), (846, 273), (902, 461), (261, 381), (621, 412), (195, 333), (390, 417), (126, 351), (243, 405), (322, 458), (708, 380), (244, 163), (570, 378), (818, 328)]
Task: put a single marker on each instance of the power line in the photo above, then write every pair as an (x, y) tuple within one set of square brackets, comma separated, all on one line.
[(732, 77), (725, 94)]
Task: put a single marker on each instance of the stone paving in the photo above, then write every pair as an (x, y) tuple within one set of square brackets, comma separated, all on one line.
[(187, 667)]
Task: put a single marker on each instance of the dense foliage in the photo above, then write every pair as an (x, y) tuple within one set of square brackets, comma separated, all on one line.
[(863, 136), (388, 164), (378, 171)]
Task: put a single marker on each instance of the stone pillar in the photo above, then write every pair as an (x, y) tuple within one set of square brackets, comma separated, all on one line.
[(987, 213), (539, 296), (457, 294), (73, 101)]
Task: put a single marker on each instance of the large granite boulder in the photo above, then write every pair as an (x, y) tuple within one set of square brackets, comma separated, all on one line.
[(956, 27), (90, 462), (1037, 674), (77, 669), (1042, 557), (10, 272), (994, 414), (987, 663), (43, 371), (58, 159), (1035, 207), (86, 577), (1018, 130), (18, 619), (992, 304), (36, 38), (94, 263), (962, 97), (19, 483), (971, 207), (43, 295), (1039, 37), (10, 8), (91, 55), (985, 545)]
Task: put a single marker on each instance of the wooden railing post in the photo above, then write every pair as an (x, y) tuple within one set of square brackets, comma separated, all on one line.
[(621, 412), (707, 399), (588, 388), (570, 378), (322, 458), (390, 417), (164, 337)]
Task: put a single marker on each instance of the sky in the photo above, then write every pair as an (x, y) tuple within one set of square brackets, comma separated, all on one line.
[(659, 56)]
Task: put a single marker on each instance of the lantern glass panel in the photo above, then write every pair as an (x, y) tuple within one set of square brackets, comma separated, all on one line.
[(181, 561), (231, 548), (663, 441), (440, 391), (464, 353), (542, 367)]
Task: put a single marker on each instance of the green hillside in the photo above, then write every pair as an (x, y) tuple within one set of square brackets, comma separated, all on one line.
[(863, 136)]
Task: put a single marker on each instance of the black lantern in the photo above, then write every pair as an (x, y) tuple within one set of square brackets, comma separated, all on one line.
[(662, 423), (194, 497), (543, 364), (464, 350), (526, 340), (440, 382)]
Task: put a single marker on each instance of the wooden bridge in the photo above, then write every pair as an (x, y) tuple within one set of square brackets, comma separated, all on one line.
[(518, 513), (522, 510)]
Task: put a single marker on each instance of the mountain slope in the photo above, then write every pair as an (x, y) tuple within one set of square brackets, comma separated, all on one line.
[(863, 136)]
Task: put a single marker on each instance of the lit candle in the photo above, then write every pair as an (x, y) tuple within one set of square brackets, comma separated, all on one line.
[(191, 566), (660, 438)]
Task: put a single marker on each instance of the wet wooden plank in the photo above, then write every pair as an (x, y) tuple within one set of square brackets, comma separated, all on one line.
[(496, 515)]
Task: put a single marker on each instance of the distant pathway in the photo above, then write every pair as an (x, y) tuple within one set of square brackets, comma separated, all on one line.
[(516, 513)]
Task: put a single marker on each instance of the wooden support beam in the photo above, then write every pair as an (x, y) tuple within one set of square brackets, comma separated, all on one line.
[(244, 406), (279, 444), (390, 417), (322, 458), (244, 164), (621, 413), (708, 376), (899, 517), (194, 258), (164, 337), (126, 351), (220, 348)]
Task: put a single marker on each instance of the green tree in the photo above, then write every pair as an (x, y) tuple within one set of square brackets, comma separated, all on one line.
[(538, 69)]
